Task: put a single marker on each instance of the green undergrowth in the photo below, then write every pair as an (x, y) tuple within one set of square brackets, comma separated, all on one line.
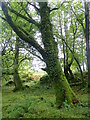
[(77, 76), (39, 102)]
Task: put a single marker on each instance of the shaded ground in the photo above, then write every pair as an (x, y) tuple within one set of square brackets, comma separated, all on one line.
[(0, 104), (39, 102)]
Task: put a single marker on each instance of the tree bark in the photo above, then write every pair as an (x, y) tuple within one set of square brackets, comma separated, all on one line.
[(87, 33), (54, 70), (17, 81)]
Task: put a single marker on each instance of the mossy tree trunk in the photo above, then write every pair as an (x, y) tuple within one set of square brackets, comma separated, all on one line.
[(87, 36), (17, 81), (54, 70)]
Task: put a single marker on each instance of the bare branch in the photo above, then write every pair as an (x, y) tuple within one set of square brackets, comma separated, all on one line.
[(79, 20), (38, 10), (35, 54), (59, 6)]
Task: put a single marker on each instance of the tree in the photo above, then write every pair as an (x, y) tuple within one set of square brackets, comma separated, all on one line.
[(50, 50), (12, 56), (17, 81), (87, 25), (85, 28), (69, 36)]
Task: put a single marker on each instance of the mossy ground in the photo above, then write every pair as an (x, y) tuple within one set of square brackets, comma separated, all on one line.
[(39, 102)]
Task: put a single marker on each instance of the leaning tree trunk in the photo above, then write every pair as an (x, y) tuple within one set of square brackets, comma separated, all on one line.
[(17, 81), (54, 70)]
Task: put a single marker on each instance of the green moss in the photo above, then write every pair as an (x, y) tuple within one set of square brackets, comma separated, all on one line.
[(54, 70)]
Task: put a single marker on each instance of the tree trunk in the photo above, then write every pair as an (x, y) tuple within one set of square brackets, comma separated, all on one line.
[(17, 81), (61, 85), (87, 33), (54, 70), (71, 74)]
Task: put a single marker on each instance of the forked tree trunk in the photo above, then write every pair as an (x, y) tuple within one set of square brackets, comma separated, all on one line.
[(54, 70)]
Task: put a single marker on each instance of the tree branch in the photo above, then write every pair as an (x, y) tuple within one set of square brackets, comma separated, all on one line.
[(3, 18), (3, 49), (25, 58), (73, 57), (59, 6), (30, 50), (22, 35), (30, 20), (35, 54), (79, 20), (38, 10)]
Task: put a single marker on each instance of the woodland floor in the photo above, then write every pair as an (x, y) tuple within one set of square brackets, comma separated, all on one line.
[(39, 102)]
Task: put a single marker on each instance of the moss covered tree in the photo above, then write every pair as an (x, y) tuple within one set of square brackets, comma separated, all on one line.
[(50, 51), (17, 81), (87, 36)]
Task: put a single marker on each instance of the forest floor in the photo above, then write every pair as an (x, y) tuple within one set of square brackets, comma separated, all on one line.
[(38, 101), (0, 104)]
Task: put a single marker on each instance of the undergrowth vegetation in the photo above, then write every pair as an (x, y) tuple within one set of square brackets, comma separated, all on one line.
[(38, 101)]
